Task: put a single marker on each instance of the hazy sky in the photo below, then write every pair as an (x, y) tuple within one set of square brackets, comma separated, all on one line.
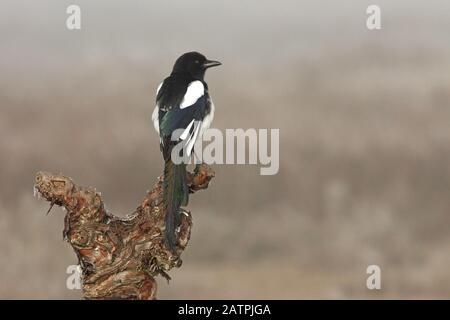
[(250, 31)]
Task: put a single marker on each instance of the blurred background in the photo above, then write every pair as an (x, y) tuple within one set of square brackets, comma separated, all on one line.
[(364, 125)]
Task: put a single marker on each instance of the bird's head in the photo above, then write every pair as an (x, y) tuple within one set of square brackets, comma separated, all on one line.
[(193, 64)]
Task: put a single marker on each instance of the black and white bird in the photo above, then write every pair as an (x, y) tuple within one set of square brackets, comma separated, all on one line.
[(182, 102)]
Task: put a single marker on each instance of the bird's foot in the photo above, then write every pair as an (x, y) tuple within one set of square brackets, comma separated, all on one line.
[(185, 212)]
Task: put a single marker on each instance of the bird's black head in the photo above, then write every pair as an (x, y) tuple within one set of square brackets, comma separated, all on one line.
[(193, 64)]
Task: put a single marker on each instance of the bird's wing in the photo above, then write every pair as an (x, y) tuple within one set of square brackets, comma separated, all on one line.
[(188, 116)]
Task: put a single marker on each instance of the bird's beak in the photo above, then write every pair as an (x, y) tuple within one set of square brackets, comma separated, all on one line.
[(211, 63)]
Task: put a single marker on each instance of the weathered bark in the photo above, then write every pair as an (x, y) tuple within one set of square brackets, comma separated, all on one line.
[(119, 257)]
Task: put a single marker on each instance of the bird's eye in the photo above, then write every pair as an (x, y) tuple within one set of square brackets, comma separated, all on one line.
[(196, 61)]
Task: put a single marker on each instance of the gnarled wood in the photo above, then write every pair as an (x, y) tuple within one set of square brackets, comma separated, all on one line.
[(119, 257)]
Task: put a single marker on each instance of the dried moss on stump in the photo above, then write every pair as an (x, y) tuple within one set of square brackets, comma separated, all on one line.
[(119, 257)]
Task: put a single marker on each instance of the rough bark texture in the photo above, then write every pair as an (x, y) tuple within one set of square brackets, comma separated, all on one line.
[(119, 257)]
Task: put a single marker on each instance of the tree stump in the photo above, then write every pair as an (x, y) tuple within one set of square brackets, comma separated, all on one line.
[(119, 257)]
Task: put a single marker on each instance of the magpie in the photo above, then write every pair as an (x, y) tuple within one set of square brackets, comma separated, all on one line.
[(182, 102)]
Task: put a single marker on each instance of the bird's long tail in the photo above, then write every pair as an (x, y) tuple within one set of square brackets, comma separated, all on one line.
[(175, 194)]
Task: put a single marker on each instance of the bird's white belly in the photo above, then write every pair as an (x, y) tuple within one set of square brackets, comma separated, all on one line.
[(206, 123), (155, 118)]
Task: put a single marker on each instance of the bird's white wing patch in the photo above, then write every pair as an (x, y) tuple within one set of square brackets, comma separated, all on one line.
[(194, 91)]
